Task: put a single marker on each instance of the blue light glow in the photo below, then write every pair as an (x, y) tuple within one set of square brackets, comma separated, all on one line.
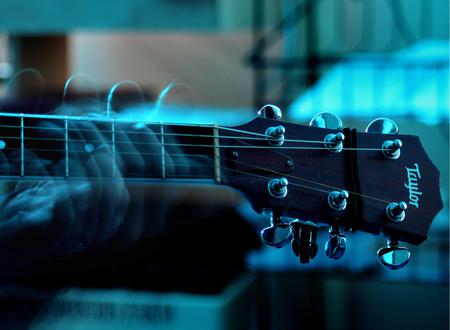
[(112, 91), (413, 82)]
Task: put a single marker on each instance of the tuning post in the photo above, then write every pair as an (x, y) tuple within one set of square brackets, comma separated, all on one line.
[(396, 212), (270, 111), (278, 187), (278, 234), (334, 142), (275, 135), (337, 200), (393, 256), (335, 246), (391, 149)]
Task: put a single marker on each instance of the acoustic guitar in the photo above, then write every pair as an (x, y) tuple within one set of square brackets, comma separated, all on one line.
[(303, 177)]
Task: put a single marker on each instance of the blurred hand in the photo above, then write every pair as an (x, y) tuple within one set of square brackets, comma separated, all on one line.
[(56, 216)]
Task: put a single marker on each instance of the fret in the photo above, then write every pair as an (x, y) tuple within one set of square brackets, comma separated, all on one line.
[(22, 147), (163, 156), (66, 146), (113, 147), (217, 171)]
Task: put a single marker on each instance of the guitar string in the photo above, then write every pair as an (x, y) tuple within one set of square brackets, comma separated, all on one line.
[(310, 181), (176, 135), (262, 137), (261, 177), (177, 175), (206, 146), (266, 178), (137, 127), (198, 145), (181, 145)]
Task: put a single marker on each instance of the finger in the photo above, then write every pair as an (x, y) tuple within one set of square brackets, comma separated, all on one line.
[(47, 140), (85, 140), (35, 167), (113, 201), (65, 214), (112, 194), (128, 138), (4, 161), (139, 150)]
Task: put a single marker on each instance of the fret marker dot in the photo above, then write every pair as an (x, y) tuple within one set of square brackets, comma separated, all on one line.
[(89, 147), (2, 144)]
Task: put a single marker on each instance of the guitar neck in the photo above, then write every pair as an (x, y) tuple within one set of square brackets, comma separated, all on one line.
[(142, 151)]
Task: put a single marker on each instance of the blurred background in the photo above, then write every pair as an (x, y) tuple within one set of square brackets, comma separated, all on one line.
[(220, 61)]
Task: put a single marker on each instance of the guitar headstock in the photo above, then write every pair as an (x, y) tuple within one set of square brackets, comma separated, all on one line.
[(377, 181)]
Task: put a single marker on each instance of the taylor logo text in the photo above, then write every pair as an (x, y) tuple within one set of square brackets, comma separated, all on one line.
[(413, 176)]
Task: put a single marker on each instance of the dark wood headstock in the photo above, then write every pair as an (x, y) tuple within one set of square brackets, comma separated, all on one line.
[(372, 180), (411, 178)]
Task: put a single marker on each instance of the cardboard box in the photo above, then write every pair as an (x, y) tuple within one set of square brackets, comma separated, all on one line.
[(77, 308)]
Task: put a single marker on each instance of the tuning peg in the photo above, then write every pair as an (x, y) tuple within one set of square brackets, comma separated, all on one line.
[(313, 246), (326, 120), (335, 246), (270, 111), (278, 234), (392, 256), (295, 243), (305, 237), (382, 126), (304, 241)]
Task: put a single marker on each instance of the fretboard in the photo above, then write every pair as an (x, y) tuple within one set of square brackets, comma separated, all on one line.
[(77, 147)]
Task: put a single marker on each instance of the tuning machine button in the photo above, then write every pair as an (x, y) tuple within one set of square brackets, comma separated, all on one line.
[(337, 200), (334, 142), (314, 247), (277, 188), (275, 135), (278, 234), (335, 246), (396, 212), (393, 256), (326, 120), (295, 242), (304, 241), (391, 149), (270, 111), (382, 126)]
